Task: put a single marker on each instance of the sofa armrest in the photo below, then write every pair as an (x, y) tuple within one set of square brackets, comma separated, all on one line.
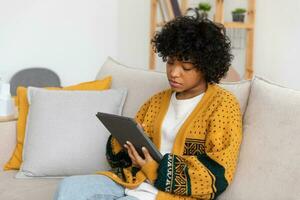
[(7, 141)]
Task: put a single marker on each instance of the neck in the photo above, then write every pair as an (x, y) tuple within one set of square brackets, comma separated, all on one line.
[(192, 92)]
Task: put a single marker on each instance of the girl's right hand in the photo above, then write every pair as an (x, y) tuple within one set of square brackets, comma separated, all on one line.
[(142, 126)]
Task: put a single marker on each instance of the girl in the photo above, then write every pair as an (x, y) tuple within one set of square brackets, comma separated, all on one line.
[(195, 124)]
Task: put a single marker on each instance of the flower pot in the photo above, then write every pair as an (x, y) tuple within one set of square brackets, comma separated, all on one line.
[(238, 17), (204, 15)]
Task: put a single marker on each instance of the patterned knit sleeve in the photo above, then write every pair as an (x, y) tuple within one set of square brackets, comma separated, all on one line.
[(206, 175), (116, 156)]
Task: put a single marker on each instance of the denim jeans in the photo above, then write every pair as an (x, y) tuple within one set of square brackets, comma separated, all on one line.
[(90, 187)]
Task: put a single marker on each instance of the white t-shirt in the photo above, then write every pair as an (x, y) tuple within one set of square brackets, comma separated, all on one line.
[(177, 113)]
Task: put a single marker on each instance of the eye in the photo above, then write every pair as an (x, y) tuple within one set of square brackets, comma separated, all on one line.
[(188, 66), (187, 69)]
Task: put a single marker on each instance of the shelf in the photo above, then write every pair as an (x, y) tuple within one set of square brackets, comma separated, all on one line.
[(238, 25), (161, 24)]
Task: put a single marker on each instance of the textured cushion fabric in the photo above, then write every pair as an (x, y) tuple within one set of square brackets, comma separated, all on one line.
[(269, 160), (63, 135), (141, 84), (22, 103), (241, 90), (33, 189)]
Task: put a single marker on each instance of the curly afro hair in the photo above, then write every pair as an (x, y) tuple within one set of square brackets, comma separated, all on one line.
[(201, 41)]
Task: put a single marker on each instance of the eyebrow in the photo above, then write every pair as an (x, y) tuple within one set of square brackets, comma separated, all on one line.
[(183, 61)]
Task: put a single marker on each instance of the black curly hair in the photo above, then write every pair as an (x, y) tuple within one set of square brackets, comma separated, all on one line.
[(199, 40)]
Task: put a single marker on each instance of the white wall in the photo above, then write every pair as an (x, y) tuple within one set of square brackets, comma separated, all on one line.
[(277, 41), (133, 35), (71, 37)]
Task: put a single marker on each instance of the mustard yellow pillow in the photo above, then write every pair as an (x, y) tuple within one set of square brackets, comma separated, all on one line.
[(21, 100)]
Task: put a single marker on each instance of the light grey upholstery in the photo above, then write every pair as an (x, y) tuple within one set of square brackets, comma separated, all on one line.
[(37, 77), (269, 158)]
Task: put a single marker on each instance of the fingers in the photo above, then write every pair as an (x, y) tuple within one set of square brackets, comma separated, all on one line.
[(142, 126), (133, 151), (146, 152), (147, 155), (130, 154), (135, 157)]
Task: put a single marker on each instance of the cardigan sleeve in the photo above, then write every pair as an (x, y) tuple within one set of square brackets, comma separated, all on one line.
[(115, 154), (206, 175)]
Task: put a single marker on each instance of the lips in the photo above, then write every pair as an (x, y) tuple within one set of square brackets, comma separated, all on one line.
[(174, 83)]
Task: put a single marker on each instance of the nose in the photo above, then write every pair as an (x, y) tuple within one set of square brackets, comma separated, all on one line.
[(175, 71)]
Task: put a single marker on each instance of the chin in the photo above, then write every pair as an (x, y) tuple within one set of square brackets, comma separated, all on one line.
[(177, 89)]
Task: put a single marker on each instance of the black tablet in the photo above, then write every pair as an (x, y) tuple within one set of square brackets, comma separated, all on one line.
[(126, 129)]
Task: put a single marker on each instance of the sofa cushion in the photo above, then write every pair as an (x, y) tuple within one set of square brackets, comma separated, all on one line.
[(33, 189), (21, 100), (269, 160), (63, 135)]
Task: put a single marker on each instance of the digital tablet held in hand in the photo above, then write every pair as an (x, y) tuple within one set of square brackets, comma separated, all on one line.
[(126, 129)]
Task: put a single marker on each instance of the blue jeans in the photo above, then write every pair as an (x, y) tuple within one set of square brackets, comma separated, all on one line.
[(90, 187)]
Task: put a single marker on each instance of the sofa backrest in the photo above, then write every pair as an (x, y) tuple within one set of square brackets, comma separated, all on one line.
[(268, 166), (142, 84)]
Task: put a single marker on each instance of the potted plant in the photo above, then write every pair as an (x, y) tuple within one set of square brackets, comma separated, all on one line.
[(238, 15), (204, 8)]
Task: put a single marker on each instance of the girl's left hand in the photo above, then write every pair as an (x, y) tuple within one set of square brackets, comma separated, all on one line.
[(135, 157)]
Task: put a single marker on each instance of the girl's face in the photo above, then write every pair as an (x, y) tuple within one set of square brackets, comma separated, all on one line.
[(184, 78)]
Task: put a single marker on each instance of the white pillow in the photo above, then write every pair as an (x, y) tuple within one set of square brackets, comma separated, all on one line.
[(269, 160), (241, 90), (63, 135)]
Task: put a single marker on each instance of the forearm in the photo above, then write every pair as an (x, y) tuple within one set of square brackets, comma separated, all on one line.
[(188, 176)]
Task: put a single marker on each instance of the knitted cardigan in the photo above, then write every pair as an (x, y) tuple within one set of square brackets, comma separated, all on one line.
[(205, 151)]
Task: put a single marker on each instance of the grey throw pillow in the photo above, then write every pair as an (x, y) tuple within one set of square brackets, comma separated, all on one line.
[(241, 90), (63, 135)]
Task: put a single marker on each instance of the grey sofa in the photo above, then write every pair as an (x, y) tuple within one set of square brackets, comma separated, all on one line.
[(269, 160)]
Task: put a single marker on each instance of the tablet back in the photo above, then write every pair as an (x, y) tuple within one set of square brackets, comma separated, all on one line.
[(126, 129)]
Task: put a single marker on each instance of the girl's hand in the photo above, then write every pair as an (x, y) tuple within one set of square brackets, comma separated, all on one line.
[(136, 159), (142, 126)]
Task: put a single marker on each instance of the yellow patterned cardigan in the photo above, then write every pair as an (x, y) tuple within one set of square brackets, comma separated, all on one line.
[(205, 151)]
